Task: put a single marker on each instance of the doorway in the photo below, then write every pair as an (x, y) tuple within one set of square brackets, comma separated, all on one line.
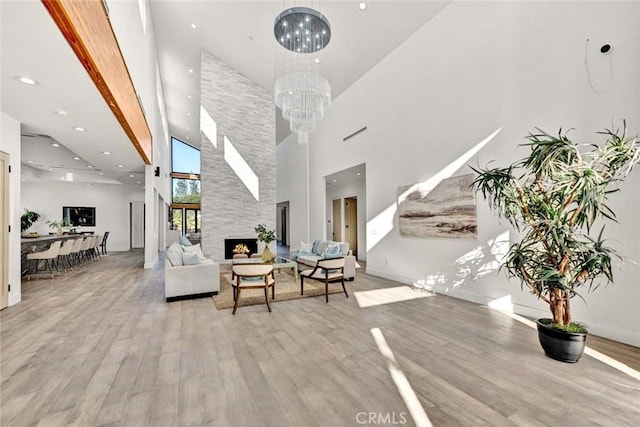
[(351, 223), (4, 223), (136, 224), (337, 220), (282, 223)]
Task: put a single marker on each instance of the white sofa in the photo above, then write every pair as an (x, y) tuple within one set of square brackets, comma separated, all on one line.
[(308, 260), (189, 281)]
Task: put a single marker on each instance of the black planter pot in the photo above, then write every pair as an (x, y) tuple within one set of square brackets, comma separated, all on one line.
[(559, 345)]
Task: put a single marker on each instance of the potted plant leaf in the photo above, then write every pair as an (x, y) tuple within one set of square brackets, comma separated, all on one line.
[(267, 236), (27, 219), (58, 225), (554, 197)]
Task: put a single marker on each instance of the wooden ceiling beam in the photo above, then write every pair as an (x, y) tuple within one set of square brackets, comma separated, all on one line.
[(86, 27)]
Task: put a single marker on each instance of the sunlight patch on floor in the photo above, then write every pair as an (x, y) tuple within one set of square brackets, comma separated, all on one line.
[(407, 393), (501, 306), (382, 296)]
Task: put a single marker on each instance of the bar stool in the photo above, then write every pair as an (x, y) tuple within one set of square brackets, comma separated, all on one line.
[(96, 246), (84, 249), (49, 256), (75, 251), (63, 253), (103, 245)]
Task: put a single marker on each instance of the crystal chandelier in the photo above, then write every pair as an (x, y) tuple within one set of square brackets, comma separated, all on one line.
[(302, 90)]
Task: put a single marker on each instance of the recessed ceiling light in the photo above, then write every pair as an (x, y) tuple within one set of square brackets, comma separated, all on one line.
[(189, 97), (90, 167), (30, 161), (194, 26), (362, 5), (79, 129), (76, 158), (101, 173), (62, 113), (317, 60), (130, 176), (188, 114), (138, 182), (27, 80), (90, 185), (187, 137), (106, 153), (191, 70), (334, 180), (188, 128), (120, 166), (358, 174), (55, 144)]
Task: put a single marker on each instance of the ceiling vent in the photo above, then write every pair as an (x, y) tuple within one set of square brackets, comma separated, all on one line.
[(354, 134)]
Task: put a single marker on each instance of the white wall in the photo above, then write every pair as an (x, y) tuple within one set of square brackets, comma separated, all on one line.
[(111, 203), (291, 178), (10, 143), (474, 68), (139, 50)]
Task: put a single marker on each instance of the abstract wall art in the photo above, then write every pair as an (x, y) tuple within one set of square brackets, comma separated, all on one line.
[(446, 211)]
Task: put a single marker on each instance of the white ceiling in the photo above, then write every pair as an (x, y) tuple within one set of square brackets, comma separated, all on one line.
[(238, 32), (32, 45)]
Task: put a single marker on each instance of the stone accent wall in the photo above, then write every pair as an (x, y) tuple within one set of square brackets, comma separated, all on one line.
[(245, 114)]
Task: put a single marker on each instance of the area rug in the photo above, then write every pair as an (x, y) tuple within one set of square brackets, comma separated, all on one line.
[(286, 289)]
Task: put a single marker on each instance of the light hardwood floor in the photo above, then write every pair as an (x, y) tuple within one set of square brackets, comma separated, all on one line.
[(100, 347)]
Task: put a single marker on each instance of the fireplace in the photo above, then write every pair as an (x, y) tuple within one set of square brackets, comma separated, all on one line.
[(230, 244)]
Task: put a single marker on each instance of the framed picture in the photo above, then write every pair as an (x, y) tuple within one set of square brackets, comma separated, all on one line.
[(447, 211), (78, 216)]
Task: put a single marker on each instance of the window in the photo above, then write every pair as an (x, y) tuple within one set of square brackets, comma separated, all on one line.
[(176, 219), (184, 158), (186, 190), (185, 183)]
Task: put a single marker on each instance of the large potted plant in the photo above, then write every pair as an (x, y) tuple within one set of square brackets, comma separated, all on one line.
[(27, 219), (554, 197), (266, 236)]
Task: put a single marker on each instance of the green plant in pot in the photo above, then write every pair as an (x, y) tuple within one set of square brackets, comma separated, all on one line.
[(267, 236), (58, 225), (554, 197), (27, 219)]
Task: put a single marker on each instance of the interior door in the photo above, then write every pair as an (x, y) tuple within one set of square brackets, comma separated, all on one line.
[(137, 224), (336, 218), (351, 223), (4, 223)]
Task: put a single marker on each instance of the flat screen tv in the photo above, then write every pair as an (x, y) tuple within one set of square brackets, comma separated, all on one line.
[(79, 216)]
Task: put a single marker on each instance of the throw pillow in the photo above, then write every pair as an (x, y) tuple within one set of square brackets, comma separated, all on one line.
[(306, 247), (174, 254), (322, 246), (344, 248), (314, 248), (195, 249), (184, 241), (190, 259), (332, 251)]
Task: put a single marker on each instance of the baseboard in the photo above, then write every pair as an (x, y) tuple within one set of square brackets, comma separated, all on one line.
[(193, 296)]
